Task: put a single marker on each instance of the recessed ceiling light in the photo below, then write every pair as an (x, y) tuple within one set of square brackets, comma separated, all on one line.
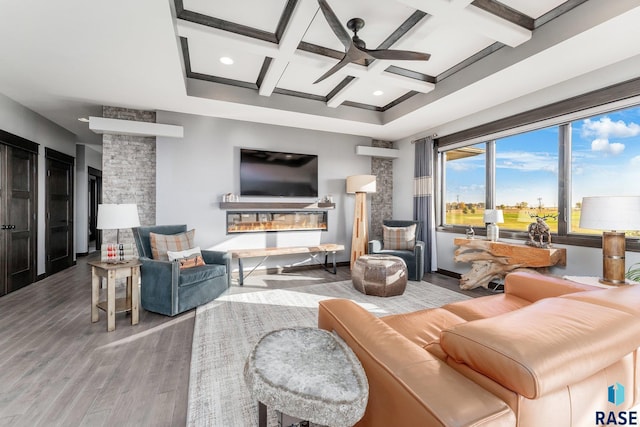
[(226, 60), (378, 93), (83, 119)]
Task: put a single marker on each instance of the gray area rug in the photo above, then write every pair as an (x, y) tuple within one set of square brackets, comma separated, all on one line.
[(227, 329)]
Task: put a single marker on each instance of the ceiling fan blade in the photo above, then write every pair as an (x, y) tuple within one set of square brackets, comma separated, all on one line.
[(343, 62), (400, 55), (334, 23)]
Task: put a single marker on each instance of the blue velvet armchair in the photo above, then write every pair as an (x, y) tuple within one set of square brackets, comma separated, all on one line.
[(413, 258), (168, 290)]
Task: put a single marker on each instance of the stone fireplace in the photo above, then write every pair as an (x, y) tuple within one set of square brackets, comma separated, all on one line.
[(259, 221)]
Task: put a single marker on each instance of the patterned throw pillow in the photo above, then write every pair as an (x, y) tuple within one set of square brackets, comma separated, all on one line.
[(187, 259), (192, 261), (402, 238), (161, 243)]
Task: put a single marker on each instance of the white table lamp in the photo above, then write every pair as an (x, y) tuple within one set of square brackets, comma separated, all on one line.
[(491, 218), (615, 214), (360, 185), (117, 216)]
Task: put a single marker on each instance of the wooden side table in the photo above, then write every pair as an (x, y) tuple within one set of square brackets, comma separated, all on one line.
[(491, 260), (113, 305)]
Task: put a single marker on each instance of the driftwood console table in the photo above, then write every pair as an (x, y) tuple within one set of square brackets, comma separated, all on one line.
[(325, 248), (494, 260)]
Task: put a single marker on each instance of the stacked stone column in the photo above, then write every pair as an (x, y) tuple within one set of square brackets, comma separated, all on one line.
[(129, 170)]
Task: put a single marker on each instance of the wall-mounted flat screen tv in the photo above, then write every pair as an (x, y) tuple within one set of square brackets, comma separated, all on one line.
[(274, 173)]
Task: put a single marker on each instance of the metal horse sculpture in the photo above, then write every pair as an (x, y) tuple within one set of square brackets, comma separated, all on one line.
[(539, 232)]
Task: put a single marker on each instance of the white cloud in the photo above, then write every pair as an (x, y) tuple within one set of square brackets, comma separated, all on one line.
[(527, 161), (604, 128), (603, 145), (635, 161)]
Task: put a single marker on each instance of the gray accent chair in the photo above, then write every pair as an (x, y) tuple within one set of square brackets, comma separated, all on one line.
[(413, 258), (166, 289)]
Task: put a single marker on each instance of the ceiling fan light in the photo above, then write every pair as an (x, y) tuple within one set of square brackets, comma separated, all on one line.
[(226, 60)]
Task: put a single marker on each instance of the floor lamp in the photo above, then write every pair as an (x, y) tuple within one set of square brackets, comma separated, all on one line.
[(615, 214), (360, 185)]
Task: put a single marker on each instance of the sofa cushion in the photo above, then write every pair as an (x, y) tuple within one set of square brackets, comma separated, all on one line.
[(402, 238), (535, 286), (489, 306), (423, 327), (194, 275), (545, 346), (161, 243), (624, 298)]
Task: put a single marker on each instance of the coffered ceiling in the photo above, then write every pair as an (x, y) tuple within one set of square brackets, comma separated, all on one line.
[(67, 59), (283, 46)]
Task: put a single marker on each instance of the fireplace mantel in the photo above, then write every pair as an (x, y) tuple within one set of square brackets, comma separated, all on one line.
[(276, 205)]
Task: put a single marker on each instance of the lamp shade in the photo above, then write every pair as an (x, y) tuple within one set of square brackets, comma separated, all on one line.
[(610, 213), (116, 216), (493, 216), (361, 184)]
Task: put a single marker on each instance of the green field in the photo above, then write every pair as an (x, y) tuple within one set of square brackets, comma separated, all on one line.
[(515, 219), (519, 219)]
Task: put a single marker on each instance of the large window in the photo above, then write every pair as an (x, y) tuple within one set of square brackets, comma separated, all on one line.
[(527, 178), (605, 159), (464, 192), (544, 172)]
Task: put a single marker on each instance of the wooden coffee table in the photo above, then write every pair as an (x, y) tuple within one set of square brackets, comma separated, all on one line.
[(113, 305)]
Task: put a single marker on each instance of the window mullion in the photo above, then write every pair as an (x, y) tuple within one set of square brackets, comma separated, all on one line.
[(564, 179), (490, 189)]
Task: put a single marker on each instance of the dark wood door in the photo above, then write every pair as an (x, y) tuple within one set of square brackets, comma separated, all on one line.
[(59, 208), (18, 225), (95, 198)]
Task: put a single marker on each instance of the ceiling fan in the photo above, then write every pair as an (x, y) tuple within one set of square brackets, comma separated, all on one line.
[(356, 49)]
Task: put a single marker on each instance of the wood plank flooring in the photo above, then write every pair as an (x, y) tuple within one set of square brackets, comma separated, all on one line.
[(59, 369)]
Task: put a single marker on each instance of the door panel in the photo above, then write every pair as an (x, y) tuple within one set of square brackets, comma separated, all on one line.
[(20, 238), (3, 208), (59, 196)]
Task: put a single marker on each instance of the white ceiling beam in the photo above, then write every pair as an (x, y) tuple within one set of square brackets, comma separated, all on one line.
[(130, 127), (475, 19), (299, 22), (228, 39), (408, 82)]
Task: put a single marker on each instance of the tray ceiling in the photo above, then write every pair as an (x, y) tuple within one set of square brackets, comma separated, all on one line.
[(67, 59), (283, 46)]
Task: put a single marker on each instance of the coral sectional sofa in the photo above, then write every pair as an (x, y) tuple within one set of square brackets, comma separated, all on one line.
[(544, 353)]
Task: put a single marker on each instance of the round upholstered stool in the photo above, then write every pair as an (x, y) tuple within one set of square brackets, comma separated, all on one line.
[(308, 373), (380, 275)]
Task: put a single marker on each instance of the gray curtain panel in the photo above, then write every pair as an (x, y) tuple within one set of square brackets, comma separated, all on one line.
[(423, 204)]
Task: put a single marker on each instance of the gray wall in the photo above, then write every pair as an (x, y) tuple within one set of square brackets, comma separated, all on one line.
[(19, 120), (194, 172)]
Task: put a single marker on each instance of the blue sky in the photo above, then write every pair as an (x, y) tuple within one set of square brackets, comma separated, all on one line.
[(606, 160)]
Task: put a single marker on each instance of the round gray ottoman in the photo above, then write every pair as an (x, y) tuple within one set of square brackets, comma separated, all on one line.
[(308, 373), (380, 275)]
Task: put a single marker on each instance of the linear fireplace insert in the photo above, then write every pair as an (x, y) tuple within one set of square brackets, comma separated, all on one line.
[(258, 221)]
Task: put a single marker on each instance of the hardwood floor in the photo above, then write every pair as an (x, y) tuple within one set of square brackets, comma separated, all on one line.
[(59, 369)]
